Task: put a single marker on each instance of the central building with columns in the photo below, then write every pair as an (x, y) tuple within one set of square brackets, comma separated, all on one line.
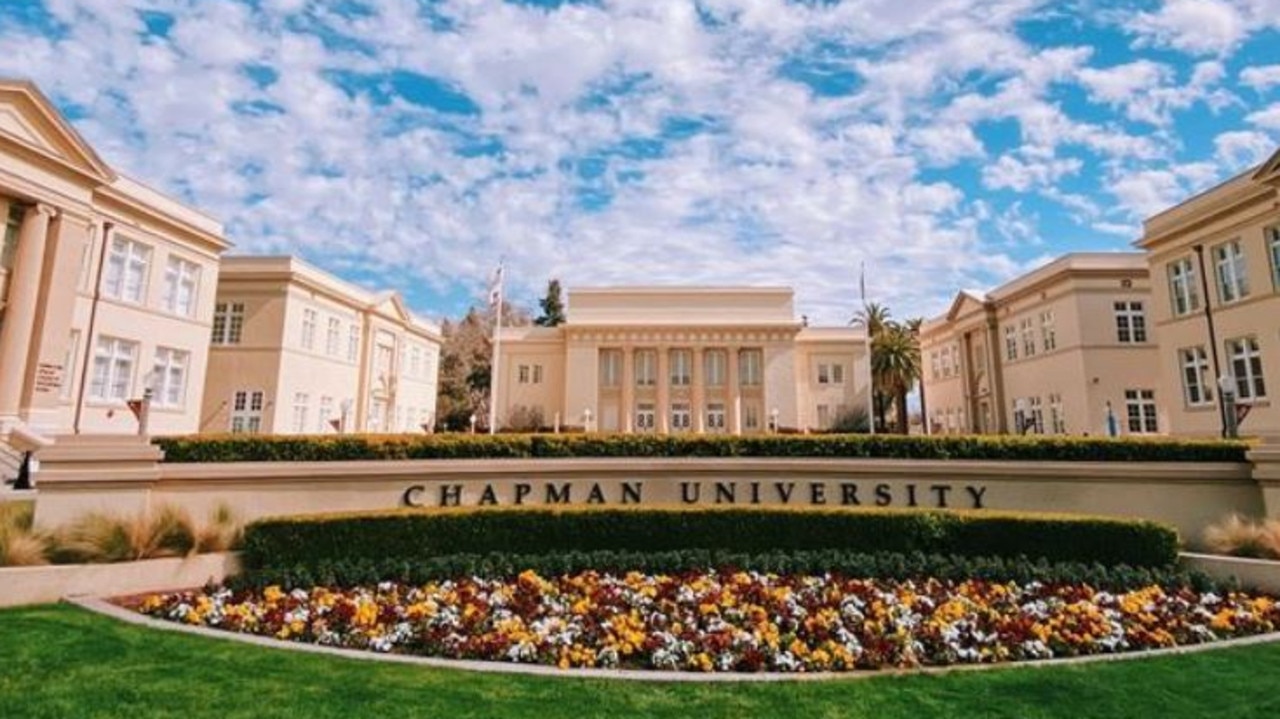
[(713, 360)]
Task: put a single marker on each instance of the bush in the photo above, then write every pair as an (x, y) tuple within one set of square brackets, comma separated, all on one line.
[(411, 535), (98, 537), (1241, 537), (20, 544), (257, 448), (881, 565)]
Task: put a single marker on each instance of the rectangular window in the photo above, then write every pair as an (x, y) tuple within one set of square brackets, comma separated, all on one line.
[(1037, 415), (246, 412), (113, 361), (169, 377), (1183, 291), (1246, 366), (1019, 417), (537, 374), (1196, 387), (415, 361), (1233, 280), (837, 374), (309, 318), (1273, 249), (301, 402), (228, 323), (824, 416), (1131, 323), (714, 364), (1048, 335), (646, 420), (523, 374), (1028, 338), (69, 365), (750, 418), (715, 417), (935, 365), (126, 275), (681, 367), (1056, 415), (181, 278), (333, 337), (824, 374), (680, 417), (325, 415), (12, 226), (353, 343), (646, 368), (1140, 409), (610, 368), (750, 368), (1010, 342)]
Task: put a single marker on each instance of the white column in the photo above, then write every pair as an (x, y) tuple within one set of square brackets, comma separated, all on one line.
[(628, 389), (735, 391), (664, 389), (697, 390), (20, 310)]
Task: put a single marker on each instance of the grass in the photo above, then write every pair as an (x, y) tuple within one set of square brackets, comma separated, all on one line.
[(60, 661)]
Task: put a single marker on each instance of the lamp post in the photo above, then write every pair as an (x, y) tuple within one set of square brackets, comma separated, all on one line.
[(1227, 392), (1113, 427), (586, 417), (473, 423), (773, 419)]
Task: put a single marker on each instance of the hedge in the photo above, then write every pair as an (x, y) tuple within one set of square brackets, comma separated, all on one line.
[(881, 565), (258, 448), (408, 535)]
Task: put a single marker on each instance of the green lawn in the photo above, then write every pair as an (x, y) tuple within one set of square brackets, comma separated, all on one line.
[(62, 662)]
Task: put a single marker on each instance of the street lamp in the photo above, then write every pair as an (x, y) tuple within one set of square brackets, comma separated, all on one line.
[(773, 419), (1227, 386), (473, 423), (586, 415), (1113, 427)]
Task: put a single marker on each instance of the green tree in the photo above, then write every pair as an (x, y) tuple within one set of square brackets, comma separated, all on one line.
[(552, 307), (895, 365), (466, 361), (874, 318)]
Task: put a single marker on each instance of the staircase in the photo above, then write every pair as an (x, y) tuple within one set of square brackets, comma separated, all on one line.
[(10, 463)]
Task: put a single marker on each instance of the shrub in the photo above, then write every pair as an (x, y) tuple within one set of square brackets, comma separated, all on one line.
[(221, 533), (98, 537), (1241, 537), (20, 545), (414, 534), (242, 448)]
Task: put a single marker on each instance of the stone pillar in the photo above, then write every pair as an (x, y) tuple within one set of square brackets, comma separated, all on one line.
[(698, 390), (734, 410), (628, 409), (1266, 472), (20, 311), (662, 408)]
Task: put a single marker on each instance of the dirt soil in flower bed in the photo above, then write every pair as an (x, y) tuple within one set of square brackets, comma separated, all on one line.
[(729, 621)]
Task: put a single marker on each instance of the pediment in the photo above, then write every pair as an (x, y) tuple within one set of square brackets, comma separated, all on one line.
[(965, 303), (391, 305), (29, 119), (1269, 171)]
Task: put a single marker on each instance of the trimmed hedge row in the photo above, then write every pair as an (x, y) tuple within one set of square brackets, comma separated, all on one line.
[(881, 565), (246, 448), (411, 535)]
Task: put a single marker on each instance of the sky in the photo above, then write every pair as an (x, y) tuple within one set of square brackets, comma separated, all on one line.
[(412, 144)]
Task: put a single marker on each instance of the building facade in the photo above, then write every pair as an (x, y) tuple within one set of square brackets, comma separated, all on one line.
[(106, 287), (1215, 260), (682, 359), (1064, 349), (295, 350)]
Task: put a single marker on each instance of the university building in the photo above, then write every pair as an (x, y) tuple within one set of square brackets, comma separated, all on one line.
[(1065, 349), (714, 360), (106, 288), (1215, 259), (295, 350)]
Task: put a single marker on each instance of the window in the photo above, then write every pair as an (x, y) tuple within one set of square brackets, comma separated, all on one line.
[(325, 415), (180, 280), (126, 276), (824, 374), (309, 329), (1028, 338), (228, 323), (1019, 417), (1273, 249), (1131, 323), (715, 417), (169, 377), (1048, 335), (1233, 282), (415, 361), (749, 368), (751, 417), (714, 364), (681, 367), (1246, 366), (935, 365), (1140, 407), (12, 226), (537, 374), (1182, 286), (522, 374), (333, 337), (646, 368), (837, 374), (645, 417), (824, 416), (610, 368), (246, 412), (1195, 375), (353, 343), (680, 417), (1037, 415), (301, 400), (1010, 343), (113, 360), (69, 365), (1056, 415)]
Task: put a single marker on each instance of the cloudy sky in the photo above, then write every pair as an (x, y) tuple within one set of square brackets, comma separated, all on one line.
[(411, 143)]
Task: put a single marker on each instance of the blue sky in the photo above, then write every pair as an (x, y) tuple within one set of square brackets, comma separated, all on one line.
[(411, 143)]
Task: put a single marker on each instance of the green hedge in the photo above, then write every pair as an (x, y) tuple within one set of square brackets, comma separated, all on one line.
[(246, 448), (408, 535), (881, 565)]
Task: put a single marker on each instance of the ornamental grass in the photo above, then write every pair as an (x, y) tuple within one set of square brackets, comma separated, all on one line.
[(1242, 537), (20, 544)]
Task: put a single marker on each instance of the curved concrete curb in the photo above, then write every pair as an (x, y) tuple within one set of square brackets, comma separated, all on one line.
[(105, 608)]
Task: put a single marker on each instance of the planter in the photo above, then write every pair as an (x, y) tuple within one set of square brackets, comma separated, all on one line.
[(49, 583), (1260, 574)]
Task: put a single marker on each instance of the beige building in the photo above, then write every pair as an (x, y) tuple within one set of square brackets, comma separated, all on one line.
[(295, 350), (1216, 262), (106, 287), (1064, 349), (682, 359)]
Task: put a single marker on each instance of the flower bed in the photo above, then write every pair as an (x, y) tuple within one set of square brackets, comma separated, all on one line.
[(730, 620)]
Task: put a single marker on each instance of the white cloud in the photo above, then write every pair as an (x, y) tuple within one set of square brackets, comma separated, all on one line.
[(1241, 149), (1201, 27), (1268, 117), (1011, 173), (1261, 77), (1151, 92)]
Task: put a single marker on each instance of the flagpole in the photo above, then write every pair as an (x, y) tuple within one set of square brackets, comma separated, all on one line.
[(866, 327), (494, 368)]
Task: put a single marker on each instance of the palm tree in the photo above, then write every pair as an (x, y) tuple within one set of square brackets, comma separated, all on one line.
[(895, 364), (874, 318), (914, 324)]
